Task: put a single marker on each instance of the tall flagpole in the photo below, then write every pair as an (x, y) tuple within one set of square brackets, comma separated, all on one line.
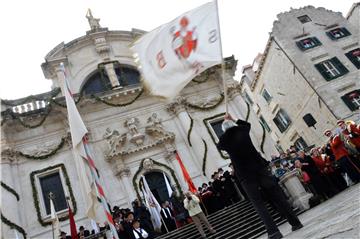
[(222, 61)]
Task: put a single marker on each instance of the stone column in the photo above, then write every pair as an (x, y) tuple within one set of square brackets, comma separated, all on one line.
[(296, 190), (237, 103), (177, 108), (110, 70), (124, 174), (10, 204)]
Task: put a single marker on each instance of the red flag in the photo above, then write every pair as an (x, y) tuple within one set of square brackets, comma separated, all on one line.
[(190, 183), (73, 230)]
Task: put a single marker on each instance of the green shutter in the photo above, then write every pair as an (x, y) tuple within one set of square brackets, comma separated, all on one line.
[(322, 71), (318, 43), (348, 103), (300, 45), (278, 124), (344, 30), (343, 70), (353, 58), (330, 35)]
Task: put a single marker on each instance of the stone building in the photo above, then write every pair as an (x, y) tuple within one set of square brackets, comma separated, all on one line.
[(308, 76), (131, 133)]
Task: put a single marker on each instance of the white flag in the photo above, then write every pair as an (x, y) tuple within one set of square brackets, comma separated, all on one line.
[(54, 219), (173, 54), (78, 131), (152, 204), (168, 187)]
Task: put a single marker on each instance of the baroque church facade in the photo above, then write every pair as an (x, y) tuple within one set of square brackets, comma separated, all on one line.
[(131, 133)]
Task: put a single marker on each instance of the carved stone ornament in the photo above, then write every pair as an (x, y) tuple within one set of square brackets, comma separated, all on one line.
[(148, 164), (233, 88), (135, 141), (177, 106), (136, 137), (123, 172), (114, 139), (8, 154), (204, 101)]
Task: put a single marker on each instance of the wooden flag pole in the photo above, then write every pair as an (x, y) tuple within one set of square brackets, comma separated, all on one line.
[(222, 62)]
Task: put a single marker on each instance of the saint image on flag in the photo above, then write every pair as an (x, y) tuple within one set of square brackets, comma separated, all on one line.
[(170, 56)]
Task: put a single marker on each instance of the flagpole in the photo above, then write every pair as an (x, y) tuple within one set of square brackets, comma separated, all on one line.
[(222, 61)]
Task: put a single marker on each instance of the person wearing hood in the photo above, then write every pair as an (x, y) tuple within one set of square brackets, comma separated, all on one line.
[(254, 172)]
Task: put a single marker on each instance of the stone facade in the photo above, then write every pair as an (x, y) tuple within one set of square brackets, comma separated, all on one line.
[(127, 142), (294, 84)]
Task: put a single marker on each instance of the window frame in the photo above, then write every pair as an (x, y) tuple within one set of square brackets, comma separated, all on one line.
[(355, 62), (304, 19), (247, 98), (314, 40), (264, 123), (215, 139), (298, 140), (275, 119), (43, 218), (40, 191), (345, 98), (266, 92), (324, 68), (342, 30)]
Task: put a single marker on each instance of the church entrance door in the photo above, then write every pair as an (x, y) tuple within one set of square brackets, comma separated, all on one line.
[(157, 186)]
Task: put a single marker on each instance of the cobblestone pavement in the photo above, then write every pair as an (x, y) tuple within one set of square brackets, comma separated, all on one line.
[(338, 217)]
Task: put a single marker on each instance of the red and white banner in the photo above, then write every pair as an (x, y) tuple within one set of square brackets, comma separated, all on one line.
[(170, 56)]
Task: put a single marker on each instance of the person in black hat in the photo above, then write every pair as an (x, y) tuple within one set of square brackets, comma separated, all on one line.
[(83, 233), (253, 172)]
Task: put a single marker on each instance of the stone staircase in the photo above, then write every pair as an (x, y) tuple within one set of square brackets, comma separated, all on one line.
[(239, 221)]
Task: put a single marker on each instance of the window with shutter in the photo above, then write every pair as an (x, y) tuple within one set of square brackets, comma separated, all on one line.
[(264, 123), (282, 120), (338, 33), (331, 69), (354, 57), (352, 100), (308, 43), (248, 98), (266, 95), (300, 144)]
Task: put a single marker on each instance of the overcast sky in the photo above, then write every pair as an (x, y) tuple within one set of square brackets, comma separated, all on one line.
[(32, 28)]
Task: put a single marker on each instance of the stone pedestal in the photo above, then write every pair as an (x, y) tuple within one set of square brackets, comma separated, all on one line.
[(296, 190)]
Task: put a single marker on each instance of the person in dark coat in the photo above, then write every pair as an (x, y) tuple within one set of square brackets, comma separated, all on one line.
[(322, 187), (253, 173), (168, 216), (142, 213)]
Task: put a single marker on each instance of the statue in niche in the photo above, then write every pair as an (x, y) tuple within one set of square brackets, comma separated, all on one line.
[(93, 22), (113, 139)]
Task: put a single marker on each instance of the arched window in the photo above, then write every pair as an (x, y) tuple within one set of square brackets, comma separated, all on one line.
[(127, 76), (99, 81)]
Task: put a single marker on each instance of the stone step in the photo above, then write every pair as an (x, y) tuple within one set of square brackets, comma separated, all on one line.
[(236, 220)]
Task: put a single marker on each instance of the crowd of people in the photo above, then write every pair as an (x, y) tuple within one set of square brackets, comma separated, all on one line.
[(328, 169), (324, 171)]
